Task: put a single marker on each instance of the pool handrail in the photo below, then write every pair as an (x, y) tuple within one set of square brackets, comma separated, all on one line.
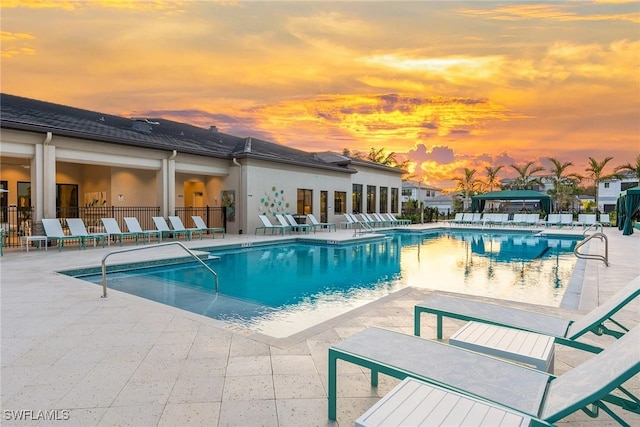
[(193, 255), (604, 258)]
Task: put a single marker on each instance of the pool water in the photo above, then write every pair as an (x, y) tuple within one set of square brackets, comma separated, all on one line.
[(283, 289)]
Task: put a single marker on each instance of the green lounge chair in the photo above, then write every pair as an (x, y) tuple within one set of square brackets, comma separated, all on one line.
[(317, 224), (200, 224), (267, 225), (77, 228), (539, 395), (53, 230), (565, 331), (163, 228)]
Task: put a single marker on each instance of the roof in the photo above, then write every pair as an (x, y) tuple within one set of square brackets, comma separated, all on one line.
[(156, 133), (512, 195)]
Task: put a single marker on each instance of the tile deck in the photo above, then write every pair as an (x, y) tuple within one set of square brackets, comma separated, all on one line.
[(123, 360)]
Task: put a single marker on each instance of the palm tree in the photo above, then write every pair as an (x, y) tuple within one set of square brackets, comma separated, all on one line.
[(630, 169), (596, 174), (493, 182), (525, 180), (563, 185), (468, 184)]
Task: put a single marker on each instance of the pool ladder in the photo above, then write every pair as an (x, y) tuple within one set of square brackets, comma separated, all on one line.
[(193, 255), (601, 236)]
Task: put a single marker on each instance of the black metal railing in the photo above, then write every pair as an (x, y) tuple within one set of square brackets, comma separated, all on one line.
[(212, 216), (14, 223)]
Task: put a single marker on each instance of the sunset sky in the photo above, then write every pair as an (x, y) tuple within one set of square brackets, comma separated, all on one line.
[(444, 84)]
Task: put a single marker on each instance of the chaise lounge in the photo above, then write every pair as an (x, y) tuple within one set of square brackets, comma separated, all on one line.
[(565, 331), (200, 224), (541, 396)]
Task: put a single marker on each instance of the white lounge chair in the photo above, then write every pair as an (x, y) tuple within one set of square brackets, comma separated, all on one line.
[(300, 228), (565, 219), (399, 220), (134, 226), (77, 228), (177, 225), (200, 224), (163, 227), (53, 230), (113, 230), (317, 224), (267, 225)]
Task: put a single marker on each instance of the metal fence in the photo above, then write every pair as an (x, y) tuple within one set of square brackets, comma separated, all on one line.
[(17, 222)]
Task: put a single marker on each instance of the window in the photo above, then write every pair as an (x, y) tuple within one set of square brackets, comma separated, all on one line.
[(4, 202), (606, 185), (394, 200), (339, 202), (305, 198), (67, 200), (371, 198), (384, 192), (407, 192), (356, 201)]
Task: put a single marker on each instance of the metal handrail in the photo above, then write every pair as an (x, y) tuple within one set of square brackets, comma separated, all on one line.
[(593, 226), (194, 256), (600, 236)]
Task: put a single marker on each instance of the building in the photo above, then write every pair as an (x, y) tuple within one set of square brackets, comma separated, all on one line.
[(609, 190), (60, 161)]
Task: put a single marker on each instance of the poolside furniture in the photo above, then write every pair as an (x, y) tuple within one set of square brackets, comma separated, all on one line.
[(384, 222), (565, 331), (367, 219), (267, 225), (163, 227), (295, 226), (359, 224), (513, 344), (397, 221), (177, 225), (604, 220), (457, 219), (28, 239), (134, 226), (317, 224), (586, 220), (565, 219), (77, 228), (539, 395), (416, 403), (53, 230), (348, 223), (113, 230), (200, 224), (552, 219)]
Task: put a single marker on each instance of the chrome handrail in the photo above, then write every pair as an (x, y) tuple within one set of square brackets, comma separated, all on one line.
[(593, 226), (600, 236), (194, 256)]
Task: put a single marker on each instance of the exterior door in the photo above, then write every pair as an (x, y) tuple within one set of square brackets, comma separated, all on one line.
[(324, 195)]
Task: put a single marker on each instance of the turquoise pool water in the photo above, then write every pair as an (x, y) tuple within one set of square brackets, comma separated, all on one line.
[(280, 290)]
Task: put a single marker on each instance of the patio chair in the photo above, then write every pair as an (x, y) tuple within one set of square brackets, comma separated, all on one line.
[(565, 219), (53, 230), (457, 219), (267, 225), (177, 225), (289, 219), (542, 396), (565, 331), (200, 224), (605, 220), (134, 226), (384, 222), (77, 228), (317, 224), (398, 220), (163, 227), (113, 230)]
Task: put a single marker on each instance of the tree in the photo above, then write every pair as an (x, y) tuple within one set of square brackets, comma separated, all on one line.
[(630, 169), (596, 173), (378, 155), (564, 186), (493, 182), (525, 181), (468, 184)]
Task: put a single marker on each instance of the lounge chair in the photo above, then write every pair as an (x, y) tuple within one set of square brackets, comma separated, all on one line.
[(565, 219), (295, 226), (566, 331), (348, 223), (267, 225), (77, 228), (384, 222), (53, 230), (200, 224), (586, 220), (317, 224), (163, 227), (457, 219), (552, 219), (177, 225), (392, 217), (113, 230), (134, 226), (358, 223), (536, 394), (605, 220)]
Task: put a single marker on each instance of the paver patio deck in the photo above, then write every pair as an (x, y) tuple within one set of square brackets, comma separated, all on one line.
[(124, 360)]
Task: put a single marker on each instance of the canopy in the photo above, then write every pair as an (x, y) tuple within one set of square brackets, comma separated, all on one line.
[(627, 205), (478, 202)]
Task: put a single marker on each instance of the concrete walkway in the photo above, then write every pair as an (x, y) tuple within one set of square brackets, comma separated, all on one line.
[(69, 354)]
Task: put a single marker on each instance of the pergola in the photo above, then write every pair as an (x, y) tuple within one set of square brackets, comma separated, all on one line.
[(478, 202), (627, 205)]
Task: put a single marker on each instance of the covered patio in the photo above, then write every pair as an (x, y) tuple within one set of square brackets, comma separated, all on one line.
[(478, 202)]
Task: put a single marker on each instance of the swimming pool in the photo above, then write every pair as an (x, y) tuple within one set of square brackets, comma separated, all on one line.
[(282, 289)]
